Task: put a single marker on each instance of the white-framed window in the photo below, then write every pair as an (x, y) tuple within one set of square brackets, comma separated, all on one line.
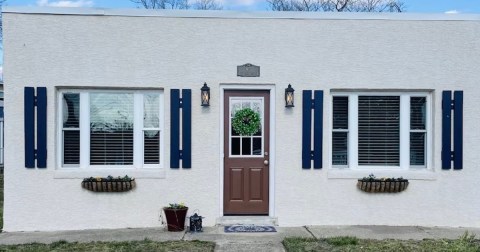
[(110, 129), (376, 130)]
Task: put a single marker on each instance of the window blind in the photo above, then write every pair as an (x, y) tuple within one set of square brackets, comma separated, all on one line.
[(151, 129), (379, 130), (340, 130), (111, 129)]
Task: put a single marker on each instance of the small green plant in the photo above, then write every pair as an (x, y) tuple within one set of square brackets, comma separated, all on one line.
[(372, 178), (180, 205), (109, 178)]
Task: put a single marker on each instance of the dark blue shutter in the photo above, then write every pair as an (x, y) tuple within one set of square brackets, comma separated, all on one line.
[(183, 105), (458, 130), (42, 127), (175, 128), (306, 129), (318, 129), (40, 101), (29, 127), (186, 128), (307, 106), (447, 154)]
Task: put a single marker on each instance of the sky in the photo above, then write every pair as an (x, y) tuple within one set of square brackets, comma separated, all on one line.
[(425, 6)]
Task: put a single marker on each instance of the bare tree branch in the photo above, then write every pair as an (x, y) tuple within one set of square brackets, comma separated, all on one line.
[(178, 4), (207, 5), (337, 5)]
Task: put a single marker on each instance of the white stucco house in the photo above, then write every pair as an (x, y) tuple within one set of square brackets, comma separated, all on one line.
[(95, 92)]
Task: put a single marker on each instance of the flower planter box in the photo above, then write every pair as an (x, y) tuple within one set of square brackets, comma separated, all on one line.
[(109, 186), (175, 218), (379, 186)]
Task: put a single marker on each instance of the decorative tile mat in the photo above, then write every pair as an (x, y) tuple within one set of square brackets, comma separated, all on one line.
[(248, 229)]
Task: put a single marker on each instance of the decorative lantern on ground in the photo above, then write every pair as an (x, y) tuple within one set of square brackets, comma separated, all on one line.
[(196, 223)]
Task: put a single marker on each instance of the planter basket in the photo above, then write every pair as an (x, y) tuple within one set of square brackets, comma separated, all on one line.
[(175, 218), (111, 186), (382, 186)]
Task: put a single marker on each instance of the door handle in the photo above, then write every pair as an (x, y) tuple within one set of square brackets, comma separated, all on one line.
[(265, 162)]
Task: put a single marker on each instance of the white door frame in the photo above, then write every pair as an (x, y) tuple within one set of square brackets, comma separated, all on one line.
[(271, 177)]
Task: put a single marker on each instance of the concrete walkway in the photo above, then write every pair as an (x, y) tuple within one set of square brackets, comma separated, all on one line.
[(239, 241)]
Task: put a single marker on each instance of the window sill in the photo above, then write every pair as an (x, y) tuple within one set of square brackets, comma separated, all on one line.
[(344, 173), (134, 173)]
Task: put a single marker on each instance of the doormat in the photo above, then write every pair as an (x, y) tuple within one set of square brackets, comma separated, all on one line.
[(249, 229)]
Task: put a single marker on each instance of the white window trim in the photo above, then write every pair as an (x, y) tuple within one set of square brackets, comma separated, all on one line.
[(138, 169), (404, 135)]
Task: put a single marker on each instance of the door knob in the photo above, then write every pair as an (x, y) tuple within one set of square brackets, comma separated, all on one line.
[(265, 162)]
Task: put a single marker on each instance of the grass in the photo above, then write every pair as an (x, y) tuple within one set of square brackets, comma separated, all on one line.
[(465, 243), (145, 245)]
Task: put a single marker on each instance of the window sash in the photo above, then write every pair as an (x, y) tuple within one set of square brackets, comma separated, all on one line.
[(137, 161), (404, 132), (70, 104)]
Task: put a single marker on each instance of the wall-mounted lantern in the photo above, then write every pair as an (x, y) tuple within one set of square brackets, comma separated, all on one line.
[(289, 96), (205, 95)]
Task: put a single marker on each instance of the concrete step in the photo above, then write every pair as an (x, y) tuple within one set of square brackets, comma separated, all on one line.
[(247, 220)]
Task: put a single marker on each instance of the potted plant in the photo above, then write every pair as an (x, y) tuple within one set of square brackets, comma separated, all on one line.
[(109, 184), (372, 184), (175, 215)]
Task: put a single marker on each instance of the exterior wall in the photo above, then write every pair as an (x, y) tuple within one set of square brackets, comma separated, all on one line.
[(164, 52)]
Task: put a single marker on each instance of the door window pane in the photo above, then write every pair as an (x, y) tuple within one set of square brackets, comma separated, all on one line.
[(257, 146), (246, 146), (235, 146)]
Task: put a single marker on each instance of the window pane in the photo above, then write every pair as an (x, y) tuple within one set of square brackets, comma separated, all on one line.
[(111, 129), (71, 110), (339, 152), (340, 112), (246, 146), (235, 146), (379, 130), (151, 111), (151, 147), (71, 147), (257, 146), (417, 148), (417, 113)]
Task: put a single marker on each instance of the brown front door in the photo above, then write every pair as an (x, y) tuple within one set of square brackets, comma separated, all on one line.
[(246, 158)]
